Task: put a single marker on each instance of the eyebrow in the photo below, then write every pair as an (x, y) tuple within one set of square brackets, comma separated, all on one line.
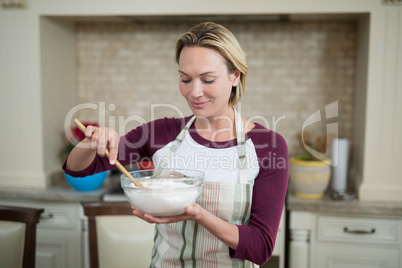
[(206, 73)]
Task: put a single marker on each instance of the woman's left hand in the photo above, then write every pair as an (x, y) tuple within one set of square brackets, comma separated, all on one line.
[(228, 233), (192, 212)]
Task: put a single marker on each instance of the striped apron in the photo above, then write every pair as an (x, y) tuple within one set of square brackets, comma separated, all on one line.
[(188, 244)]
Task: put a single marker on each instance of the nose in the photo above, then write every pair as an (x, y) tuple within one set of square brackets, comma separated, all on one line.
[(196, 90)]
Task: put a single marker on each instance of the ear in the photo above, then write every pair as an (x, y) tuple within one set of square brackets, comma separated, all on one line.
[(235, 78)]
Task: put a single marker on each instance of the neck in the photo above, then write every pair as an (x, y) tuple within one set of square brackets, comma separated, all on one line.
[(217, 128)]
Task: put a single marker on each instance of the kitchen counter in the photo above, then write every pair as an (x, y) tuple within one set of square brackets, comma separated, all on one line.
[(61, 191), (327, 205)]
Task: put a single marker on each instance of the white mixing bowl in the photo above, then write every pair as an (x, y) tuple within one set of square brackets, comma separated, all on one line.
[(166, 194)]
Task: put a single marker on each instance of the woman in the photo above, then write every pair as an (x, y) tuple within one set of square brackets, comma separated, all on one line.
[(235, 221)]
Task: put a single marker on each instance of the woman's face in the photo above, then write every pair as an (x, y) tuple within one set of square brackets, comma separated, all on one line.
[(205, 81)]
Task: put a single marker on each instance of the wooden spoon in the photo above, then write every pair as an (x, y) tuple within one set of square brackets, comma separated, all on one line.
[(118, 164)]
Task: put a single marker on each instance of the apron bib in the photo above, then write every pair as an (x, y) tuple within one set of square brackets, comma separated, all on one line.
[(188, 244)]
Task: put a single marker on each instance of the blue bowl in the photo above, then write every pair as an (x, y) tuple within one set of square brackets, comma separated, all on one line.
[(88, 183)]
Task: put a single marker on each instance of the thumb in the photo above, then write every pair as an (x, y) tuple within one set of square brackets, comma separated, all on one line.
[(190, 210)]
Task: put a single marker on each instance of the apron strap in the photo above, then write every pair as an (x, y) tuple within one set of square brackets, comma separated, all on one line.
[(164, 163), (241, 147)]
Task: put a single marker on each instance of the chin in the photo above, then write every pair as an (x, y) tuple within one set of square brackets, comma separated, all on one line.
[(199, 112)]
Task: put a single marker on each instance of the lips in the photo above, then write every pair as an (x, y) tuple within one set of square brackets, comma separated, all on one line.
[(199, 105)]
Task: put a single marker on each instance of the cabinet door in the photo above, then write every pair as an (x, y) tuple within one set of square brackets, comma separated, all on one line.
[(58, 234), (51, 253), (59, 240), (354, 256), (279, 249)]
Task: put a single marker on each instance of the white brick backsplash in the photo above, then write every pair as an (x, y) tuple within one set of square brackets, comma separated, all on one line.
[(295, 68)]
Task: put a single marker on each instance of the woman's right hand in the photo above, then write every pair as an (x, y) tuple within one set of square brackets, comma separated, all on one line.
[(102, 138), (97, 140)]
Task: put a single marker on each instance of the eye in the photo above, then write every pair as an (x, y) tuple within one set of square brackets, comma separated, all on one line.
[(185, 81), (208, 81)]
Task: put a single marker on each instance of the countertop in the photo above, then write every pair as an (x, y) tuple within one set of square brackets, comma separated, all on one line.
[(61, 191), (327, 205)]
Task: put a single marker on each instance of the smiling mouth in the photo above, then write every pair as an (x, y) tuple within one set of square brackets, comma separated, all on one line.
[(199, 104)]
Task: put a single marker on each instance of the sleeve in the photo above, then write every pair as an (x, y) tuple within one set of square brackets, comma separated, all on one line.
[(133, 147), (257, 239), (137, 145)]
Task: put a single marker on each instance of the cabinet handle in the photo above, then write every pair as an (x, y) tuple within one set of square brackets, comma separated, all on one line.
[(347, 230), (47, 216)]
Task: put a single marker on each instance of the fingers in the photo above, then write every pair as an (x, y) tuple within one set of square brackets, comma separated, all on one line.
[(89, 131), (151, 219), (142, 216), (137, 213), (113, 147), (190, 213), (102, 139)]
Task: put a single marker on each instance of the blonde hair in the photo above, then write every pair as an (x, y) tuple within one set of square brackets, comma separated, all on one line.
[(215, 36)]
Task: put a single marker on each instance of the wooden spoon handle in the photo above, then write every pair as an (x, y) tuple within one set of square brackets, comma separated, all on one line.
[(117, 164)]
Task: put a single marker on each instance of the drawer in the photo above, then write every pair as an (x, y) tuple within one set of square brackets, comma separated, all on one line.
[(358, 229), (336, 255), (59, 216)]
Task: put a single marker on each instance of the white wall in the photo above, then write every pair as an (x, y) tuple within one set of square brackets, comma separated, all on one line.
[(58, 65), (357, 162), (22, 160), (383, 143), (26, 161)]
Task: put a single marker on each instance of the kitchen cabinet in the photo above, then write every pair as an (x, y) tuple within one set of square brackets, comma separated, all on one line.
[(355, 242), (62, 236), (279, 250), (59, 233), (349, 256), (326, 233)]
